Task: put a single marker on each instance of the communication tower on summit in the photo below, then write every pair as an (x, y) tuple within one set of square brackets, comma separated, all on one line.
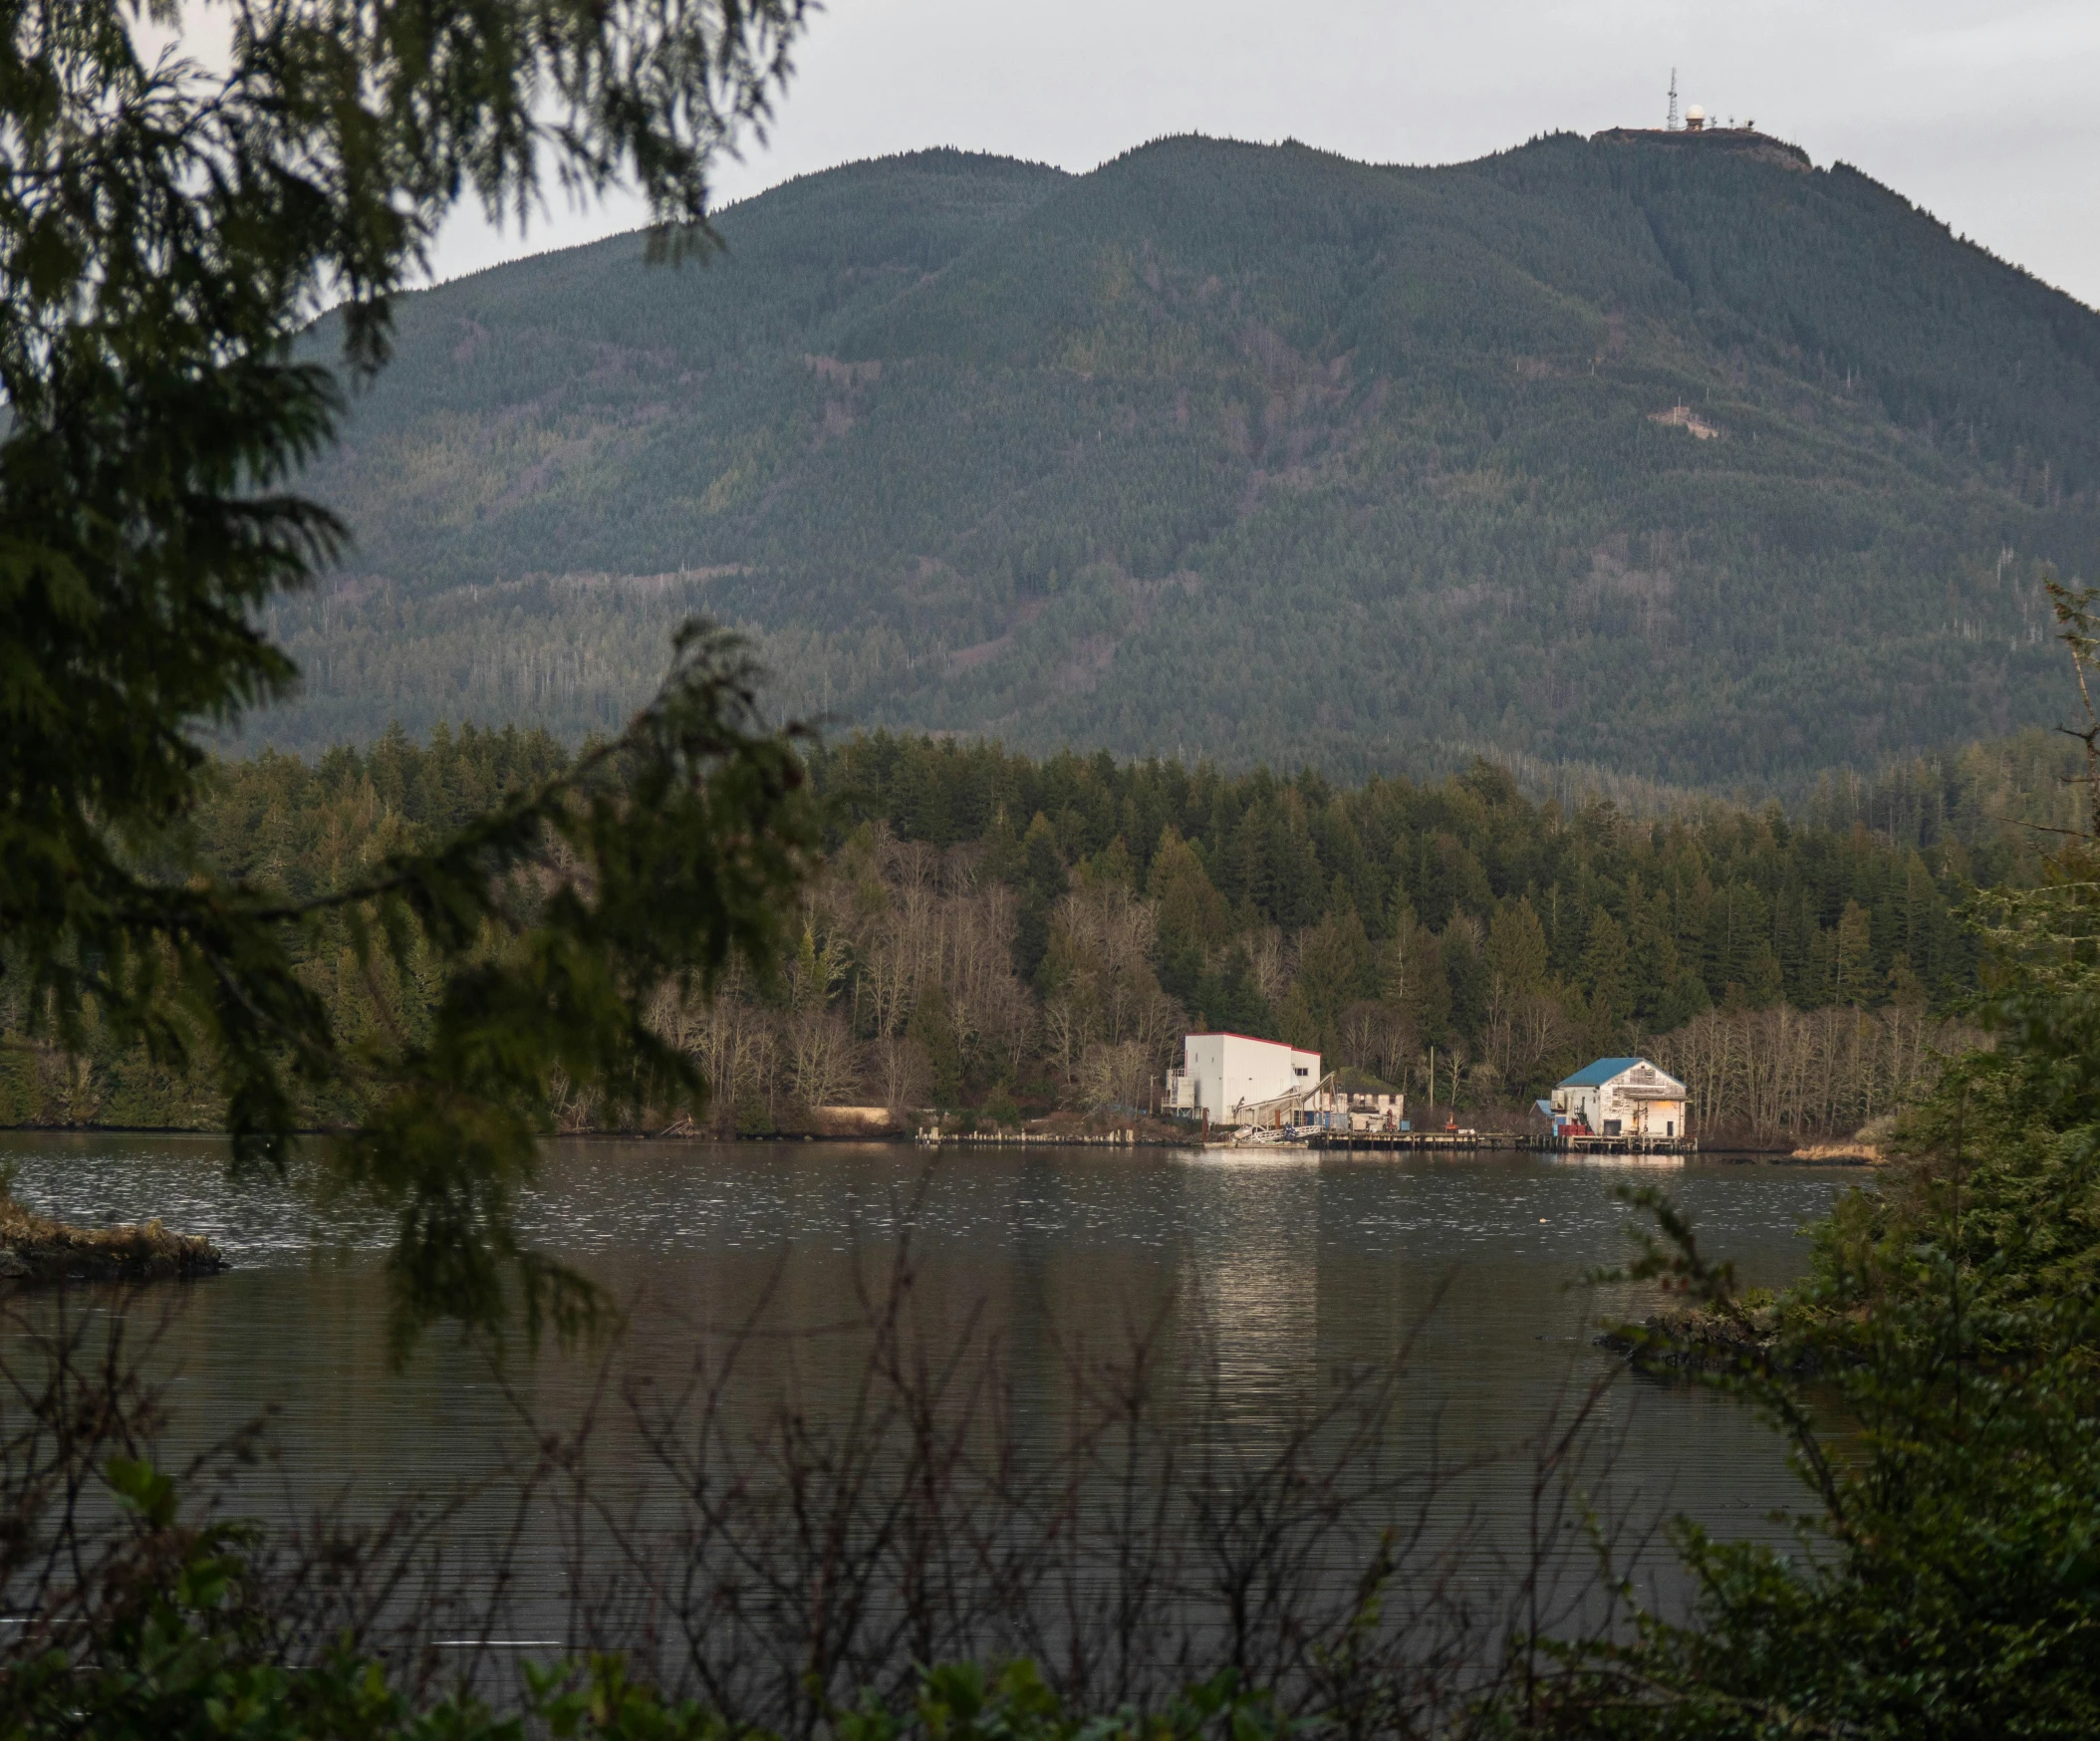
[(1670, 126)]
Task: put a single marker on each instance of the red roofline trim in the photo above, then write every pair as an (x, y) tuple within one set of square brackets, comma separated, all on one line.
[(1224, 1034)]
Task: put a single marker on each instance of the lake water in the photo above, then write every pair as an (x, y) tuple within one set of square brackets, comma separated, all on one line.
[(1260, 1280)]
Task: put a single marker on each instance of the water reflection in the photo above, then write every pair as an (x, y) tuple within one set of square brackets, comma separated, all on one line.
[(1269, 1277), (1252, 1272)]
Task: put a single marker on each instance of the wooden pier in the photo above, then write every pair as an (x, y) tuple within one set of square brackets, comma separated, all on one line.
[(1121, 1139), (1506, 1141), (1658, 1146), (1334, 1141), (1432, 1142)]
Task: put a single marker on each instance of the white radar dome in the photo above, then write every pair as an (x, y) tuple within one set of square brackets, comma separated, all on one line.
[(1693, 116)]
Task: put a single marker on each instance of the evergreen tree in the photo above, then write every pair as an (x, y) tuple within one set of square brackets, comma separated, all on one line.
[(1516, 949), (1606, 972), (167, 232)]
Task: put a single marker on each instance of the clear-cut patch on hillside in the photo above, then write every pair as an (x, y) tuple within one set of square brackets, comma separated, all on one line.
[(1685, 418)]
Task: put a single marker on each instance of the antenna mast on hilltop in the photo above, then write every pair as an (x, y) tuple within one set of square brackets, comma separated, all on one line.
[(1670, 126)]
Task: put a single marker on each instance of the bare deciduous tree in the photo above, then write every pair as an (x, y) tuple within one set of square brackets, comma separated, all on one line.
[(821, 1057), (902, 1071), (1271, 962), (1378, 1037), (1115, 1074), (1775, 1073)]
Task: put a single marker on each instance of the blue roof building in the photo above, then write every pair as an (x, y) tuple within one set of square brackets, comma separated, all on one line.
[(1598, 1074), (1624, 1097)]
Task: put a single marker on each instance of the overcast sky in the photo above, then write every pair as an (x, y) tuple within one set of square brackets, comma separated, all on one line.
[(1987, 114)]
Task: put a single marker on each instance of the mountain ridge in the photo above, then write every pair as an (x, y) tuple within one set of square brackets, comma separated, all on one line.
[(1248, 450)]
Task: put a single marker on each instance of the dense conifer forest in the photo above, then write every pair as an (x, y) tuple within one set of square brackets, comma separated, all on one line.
[(1247, 454), (999, 935)]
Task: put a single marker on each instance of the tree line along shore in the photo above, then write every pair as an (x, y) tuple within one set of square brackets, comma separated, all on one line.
[(1009, 937)]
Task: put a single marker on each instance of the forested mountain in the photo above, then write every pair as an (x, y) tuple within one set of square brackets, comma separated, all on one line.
[(1671, 456)]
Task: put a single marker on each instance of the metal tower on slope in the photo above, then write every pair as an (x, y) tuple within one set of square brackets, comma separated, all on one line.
[(1670, 126)]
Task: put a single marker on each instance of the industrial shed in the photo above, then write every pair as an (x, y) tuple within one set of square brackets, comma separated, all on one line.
[(1227, 1076)]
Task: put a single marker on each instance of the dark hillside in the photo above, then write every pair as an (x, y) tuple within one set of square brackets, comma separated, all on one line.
[(1703, 465)]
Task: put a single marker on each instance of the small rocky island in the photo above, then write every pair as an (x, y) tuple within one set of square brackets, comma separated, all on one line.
[(35, 1249)]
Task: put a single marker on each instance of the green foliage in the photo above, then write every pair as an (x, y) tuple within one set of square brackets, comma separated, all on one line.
[(166, 232), (1246, 453), (182, 1645), (961, 1701), (1690, 904), (1938, 1377), (1948, 1581), (183, 1651), (557, 920), (1286, 908), (931, 1028), (442, 988)]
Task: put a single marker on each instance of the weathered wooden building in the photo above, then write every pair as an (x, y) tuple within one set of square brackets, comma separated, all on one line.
[(1624, 1097)]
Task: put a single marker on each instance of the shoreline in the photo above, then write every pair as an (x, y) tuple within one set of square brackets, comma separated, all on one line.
[(1833, 1152)]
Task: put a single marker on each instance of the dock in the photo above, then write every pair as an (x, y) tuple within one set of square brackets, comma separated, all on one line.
[(1463, 1141), (1677, 1146), (1434, 1141), (1506, 1141)]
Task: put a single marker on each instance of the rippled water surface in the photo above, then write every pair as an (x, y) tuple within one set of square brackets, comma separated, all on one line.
[(1275, 1273)]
